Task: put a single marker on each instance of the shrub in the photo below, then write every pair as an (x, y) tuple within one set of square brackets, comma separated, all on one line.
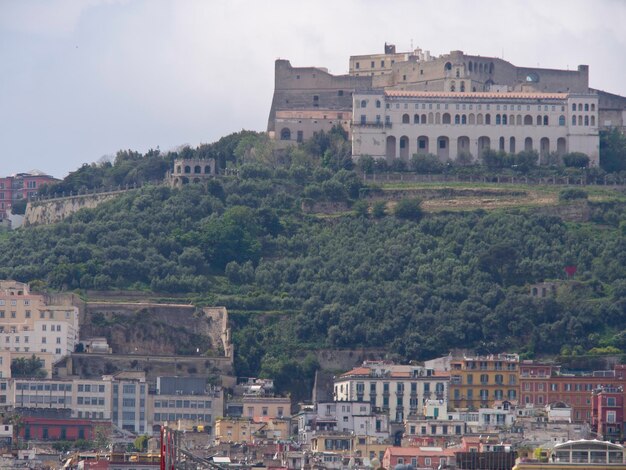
[(570, 194), (360, 208), (379, 209), (576, 160), (409, 209), (428, 163)]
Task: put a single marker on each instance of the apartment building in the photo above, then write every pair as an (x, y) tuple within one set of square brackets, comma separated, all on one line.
[(187, 401), (30, 324), (399, 390), (481, 381), (607, 413), (21, 186), (83, 398), (129, 401), (545, 383)]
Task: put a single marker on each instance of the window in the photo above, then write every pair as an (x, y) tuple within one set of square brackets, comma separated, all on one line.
[(610, 401), (484, 379), (363, 119), (378, 103), (363, 104), (27, 314)]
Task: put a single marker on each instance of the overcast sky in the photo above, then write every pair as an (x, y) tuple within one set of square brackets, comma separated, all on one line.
[(80, 79)]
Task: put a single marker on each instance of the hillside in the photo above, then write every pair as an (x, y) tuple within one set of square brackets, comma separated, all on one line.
[(295, 282)]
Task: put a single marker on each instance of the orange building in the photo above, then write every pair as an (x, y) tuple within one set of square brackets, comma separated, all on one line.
[(480, 381)]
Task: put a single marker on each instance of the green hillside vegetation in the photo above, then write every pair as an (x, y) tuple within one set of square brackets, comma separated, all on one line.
[(414, 282)]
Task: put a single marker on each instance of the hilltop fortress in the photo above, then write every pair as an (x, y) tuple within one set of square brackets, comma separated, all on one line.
[(394, 105)]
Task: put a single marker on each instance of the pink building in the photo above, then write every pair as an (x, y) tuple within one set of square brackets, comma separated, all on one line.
[(418, 457), (607, 413), (21, 186)]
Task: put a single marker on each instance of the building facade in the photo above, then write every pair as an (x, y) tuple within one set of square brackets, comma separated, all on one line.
[(481, 381), (309, 99), (19, 187), (396, 389), (607, 413), (30, 324), (398, 124)]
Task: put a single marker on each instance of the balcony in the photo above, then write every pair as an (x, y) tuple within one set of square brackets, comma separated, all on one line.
[(380, 125)]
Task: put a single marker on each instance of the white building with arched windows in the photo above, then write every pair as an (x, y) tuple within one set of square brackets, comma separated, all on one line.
[(398, 123)]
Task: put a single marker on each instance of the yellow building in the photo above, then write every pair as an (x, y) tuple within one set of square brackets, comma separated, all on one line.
[(248, 430), (478, 382), (262, 407), (333, 441)]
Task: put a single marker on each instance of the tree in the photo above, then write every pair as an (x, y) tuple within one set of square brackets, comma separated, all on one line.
[(612, 150), (409, 209), (28, 367)]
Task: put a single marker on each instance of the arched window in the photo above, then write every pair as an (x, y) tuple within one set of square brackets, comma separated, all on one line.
[(593, 120), (528, 144), (518, 121), (416, 119), (363, 103), (285, 134), (448, 66), (586, 120), (438, 118), (512, 145), (462, 86), (406, 119), (488, 119), (586, 106), (538, 120), (470, 66), (491, 67), (561, 120), (187, 169), (178, 170), (501, 143), (431, 118), (378, 103), (528, 120), (464, 119), (498, 120), (573, 106), (573, 120), (593, 107), (197, 169), (504, 118), (446, 118), (545, 120), (423, 119), (207, 169), (479, 119), (472, 119), (580, 106), (452, 86), (580, 120), (458, 74), (457, 119)]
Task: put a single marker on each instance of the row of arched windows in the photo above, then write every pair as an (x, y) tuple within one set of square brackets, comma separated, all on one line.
[(441, 145), (586, 107), (583, 120), (197, 169), (471, 119)]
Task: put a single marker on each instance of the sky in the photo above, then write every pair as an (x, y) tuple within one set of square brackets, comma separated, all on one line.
[(82, 79)]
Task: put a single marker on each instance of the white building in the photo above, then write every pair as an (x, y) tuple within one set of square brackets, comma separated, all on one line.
[(85, 398), (398, 123), (400, 390), (28, 324)]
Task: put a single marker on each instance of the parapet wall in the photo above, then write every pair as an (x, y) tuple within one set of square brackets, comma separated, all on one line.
[(55, 210)]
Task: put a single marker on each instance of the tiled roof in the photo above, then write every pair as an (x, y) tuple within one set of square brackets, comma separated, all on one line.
[(483, 95)]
